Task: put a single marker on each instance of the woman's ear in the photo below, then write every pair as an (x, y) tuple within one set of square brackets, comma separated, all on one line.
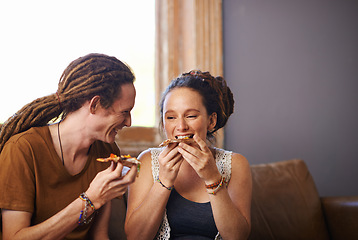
[(212, 121), (94, 103)]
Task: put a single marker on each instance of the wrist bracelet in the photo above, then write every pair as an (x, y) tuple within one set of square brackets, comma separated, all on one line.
[(168, 188), (214, 185), (85, 198), (83, 215), (222, 182)]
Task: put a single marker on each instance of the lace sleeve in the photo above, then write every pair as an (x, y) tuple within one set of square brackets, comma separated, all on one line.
[(223, 162), (164, 230), (155, 163)]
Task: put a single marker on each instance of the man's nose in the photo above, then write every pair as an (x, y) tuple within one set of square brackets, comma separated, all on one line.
[(128, 120)]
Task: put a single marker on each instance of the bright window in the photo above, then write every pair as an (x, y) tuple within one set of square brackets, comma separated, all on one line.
[(39, 38)]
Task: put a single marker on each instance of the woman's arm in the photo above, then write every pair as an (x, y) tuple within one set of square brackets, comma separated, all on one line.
[(147, 200), (231, 206)]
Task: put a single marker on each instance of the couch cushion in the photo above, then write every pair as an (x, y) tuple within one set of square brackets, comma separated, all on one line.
[(341, 216), (285, 203)]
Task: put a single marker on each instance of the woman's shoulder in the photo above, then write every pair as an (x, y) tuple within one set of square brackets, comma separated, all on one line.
[(237, 159), (240, 166), (224, 154), (149, 153), (233, 155), (149, 160)]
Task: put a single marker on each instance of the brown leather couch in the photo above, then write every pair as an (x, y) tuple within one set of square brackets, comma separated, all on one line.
[(285, 205)]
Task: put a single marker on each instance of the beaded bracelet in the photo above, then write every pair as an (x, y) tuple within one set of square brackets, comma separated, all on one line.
[(168, 188), (85, 198), (214, 185), (83, 214), (222, 182)]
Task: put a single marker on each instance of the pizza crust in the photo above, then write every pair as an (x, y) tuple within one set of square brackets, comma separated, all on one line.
[(126, 160), (169, 141)]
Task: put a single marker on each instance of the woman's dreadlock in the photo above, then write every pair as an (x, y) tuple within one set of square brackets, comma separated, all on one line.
[(85, 77)]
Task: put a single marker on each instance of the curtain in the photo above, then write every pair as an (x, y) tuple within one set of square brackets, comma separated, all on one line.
[(188, 36)]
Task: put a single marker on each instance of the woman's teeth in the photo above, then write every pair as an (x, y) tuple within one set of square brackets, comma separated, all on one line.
[(184, 137)]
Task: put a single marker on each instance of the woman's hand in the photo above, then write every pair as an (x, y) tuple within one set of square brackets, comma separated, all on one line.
[(201, 159), (169, 164), (110, 184)]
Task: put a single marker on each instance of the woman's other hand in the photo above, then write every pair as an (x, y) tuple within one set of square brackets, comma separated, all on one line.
[(169, 164), (201, 159)]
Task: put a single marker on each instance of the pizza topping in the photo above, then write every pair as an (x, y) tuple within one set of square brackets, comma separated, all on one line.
[(178, 139), (126, 160), (112, 157)]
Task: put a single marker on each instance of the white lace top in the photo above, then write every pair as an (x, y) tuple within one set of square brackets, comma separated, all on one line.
[(223, 162)]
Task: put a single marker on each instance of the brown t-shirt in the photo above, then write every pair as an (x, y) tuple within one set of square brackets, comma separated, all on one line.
[(33, 178)]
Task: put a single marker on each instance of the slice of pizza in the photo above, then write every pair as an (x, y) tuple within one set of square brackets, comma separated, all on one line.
[(126, 160), (178, 139)]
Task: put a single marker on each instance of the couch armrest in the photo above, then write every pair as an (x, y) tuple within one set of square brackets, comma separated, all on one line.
[(341, 215)]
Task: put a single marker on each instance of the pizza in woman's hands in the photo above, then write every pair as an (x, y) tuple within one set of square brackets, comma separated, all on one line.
[(178, 139)]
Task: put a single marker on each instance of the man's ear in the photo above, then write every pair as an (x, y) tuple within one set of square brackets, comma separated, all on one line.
[(213, 118), (94, 104)]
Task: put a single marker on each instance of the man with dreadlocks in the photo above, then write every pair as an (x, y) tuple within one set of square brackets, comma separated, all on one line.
[(51, 185)]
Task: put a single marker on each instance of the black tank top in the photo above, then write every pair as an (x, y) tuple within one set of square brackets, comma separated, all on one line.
[(190, 220)]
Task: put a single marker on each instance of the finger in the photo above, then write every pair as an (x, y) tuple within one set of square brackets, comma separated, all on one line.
[(173, 162), (187, 156), (111, 167), (189, 150), (177, 158), (202, 144), (168, 150), (116, 170), (119, 167), (119, 186), (165, 159), (178, 163)]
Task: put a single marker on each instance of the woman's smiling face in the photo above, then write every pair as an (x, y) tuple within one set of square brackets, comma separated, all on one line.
[(185, 114)]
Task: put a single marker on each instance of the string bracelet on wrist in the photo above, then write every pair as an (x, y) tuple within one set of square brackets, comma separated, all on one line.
[(217, 189), (85, 198), (168, 188), (214, 185), (83, 215)]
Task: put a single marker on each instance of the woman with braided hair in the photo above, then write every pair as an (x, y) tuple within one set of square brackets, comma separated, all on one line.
[(51, 185), (189, 189)]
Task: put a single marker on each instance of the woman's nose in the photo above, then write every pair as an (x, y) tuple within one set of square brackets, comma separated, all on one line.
[(182, 124)]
